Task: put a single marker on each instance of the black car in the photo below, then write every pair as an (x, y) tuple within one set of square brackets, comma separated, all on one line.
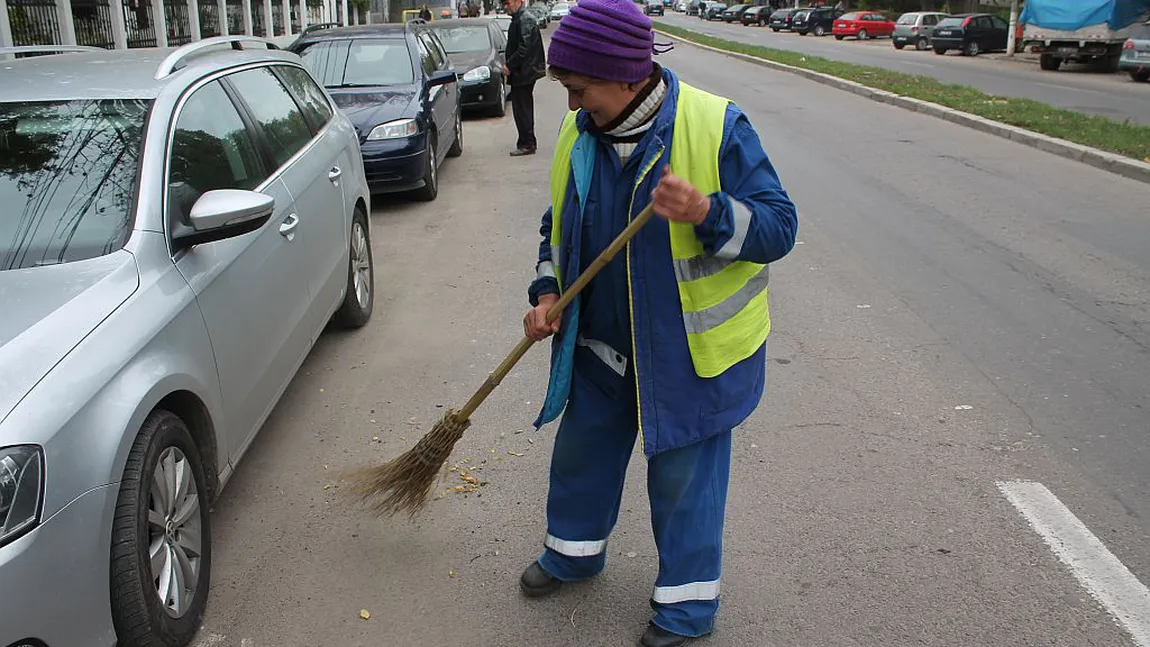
[(476, 47), (970, 33), (734, 13), (397, 85), (818, 21), (653, 7), (781, 19), (756, 16), (714, 11)]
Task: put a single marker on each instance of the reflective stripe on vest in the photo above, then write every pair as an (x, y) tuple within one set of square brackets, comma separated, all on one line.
[(724, 301)]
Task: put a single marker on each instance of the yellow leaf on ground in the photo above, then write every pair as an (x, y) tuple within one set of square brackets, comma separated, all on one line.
[(365, 614)]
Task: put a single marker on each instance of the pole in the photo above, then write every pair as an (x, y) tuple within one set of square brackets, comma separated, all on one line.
[(1010, 37)]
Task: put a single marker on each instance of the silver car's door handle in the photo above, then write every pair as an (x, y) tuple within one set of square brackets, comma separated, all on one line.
[(334, 174), (287, 228)]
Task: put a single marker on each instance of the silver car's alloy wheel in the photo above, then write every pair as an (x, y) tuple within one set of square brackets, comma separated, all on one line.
[(174, 533), (360, 265)]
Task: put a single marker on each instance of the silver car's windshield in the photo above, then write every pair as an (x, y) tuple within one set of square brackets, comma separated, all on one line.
[(67, 179)]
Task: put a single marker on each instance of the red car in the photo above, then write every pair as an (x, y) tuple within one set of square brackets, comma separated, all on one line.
[(862, 25)]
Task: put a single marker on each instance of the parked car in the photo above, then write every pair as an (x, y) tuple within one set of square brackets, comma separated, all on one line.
[(542, 14), (818, 21), (714, 11), (398, 86), (681, 7), (559, 10), (653, 7), (1136, 53), (503, 21), (970, 34), (863, 25), (915, 28), (782, 18), (756, 16), (477, 49), (734, 13), (181, 226)]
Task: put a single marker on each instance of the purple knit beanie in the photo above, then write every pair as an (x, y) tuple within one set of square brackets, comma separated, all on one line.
[(609, 40)]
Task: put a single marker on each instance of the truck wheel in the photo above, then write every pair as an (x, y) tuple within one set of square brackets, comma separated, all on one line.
[(1049, 62), (1141, 77)]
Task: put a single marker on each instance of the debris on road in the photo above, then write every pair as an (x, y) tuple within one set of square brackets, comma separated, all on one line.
[(365, 614)]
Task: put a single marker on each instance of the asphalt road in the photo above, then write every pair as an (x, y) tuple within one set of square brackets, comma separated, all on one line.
[(1076, 87), (960, 311)]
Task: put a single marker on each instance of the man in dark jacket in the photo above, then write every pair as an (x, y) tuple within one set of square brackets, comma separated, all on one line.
[(526, 64)]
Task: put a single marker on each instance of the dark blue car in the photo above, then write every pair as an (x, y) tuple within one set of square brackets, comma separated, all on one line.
[(398, 87)]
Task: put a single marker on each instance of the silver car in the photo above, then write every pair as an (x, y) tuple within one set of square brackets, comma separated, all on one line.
[(177, 228), (915, 28)]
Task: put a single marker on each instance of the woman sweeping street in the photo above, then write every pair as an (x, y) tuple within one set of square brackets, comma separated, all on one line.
[(668, 342)]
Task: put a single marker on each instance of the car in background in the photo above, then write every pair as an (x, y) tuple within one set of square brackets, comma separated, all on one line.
[(915, 28), (970, 33), (542, 15), (756, 16), (559, 10), (862, 25), (503, 21), (782, 18), (819, 21), (681, 7), (181, 227), (714, 11), (398, 86), (1135, 57), (734, 13), (653, 7), (477, 49)]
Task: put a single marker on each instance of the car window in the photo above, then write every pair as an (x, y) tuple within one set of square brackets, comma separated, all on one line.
[(999, 23), (1141, 32), (67, 179), (425, 59), (468, 38), (309, 95), (907, 19), (950, 22), (360, 62), (211, 149), (437, 55), (930, 21), (275, 111)]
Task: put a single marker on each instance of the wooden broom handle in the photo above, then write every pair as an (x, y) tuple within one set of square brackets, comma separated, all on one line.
[(556, 310)]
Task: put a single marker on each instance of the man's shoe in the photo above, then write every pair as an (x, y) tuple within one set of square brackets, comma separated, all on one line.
[(658, 637), (520, 152), (536, 582)]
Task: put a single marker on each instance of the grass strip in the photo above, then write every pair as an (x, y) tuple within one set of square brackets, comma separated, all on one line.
[(1124, 138)]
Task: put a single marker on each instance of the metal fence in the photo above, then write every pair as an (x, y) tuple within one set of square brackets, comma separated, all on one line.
[(209, 18), (34, 22), (93, 22), (178, 22)]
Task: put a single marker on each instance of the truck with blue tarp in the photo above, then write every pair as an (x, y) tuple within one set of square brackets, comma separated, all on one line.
[(1080, 31)]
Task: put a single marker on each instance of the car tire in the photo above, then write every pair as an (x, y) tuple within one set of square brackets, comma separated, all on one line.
[(838, 36), (898, 45), (359, 300), (500, 109), (457, 145), (1141, 77), (430, 188), (862, 34), (820, 31), (971, 49), (940, 50), (775, 29), (139, 616), (922, 44)]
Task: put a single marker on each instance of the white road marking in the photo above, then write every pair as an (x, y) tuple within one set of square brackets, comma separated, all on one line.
[(917, 64), (1095, 567), (1066, 87)]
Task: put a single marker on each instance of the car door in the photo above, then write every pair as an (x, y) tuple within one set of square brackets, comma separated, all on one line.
[(434, 96), (443, 64), (335, 161), (1000, 30), (251, 289), (927, 23)]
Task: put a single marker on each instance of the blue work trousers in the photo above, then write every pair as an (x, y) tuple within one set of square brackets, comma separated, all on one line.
[(687, 489)]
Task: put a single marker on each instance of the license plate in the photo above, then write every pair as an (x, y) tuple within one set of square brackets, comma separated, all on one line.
[(943, 32), (1142, 55), (1067, 50)]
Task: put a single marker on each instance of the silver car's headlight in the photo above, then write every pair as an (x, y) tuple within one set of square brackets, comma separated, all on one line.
[(394, 130), (481, 73), (21, 488)]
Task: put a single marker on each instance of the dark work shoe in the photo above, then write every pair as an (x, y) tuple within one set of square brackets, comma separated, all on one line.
[(536, 582), (658, 637), (520, 152)]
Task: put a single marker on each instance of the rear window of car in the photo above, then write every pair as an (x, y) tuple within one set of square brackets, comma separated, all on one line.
[(951, 22), (855, 15), (67, 179), (908, 19), (1141, 32), (363, 62)]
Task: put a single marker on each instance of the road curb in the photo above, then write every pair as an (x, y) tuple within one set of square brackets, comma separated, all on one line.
[(1112, 162)]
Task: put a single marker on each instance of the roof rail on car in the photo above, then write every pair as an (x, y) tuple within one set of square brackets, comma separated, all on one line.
[(323, 25), (168, 65), (49, 49)]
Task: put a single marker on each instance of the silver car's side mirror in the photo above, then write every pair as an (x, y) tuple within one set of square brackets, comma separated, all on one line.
[(222, 214), (229, 207)]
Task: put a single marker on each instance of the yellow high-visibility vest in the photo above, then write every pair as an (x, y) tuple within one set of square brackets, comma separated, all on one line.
[(724, 300)]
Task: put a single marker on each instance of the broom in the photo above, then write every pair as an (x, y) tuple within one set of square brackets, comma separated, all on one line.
[(403, 483)]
